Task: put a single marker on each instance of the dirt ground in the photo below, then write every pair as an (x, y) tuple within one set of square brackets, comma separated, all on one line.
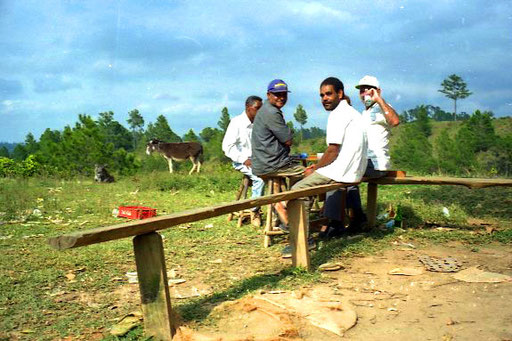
[(426, 306)]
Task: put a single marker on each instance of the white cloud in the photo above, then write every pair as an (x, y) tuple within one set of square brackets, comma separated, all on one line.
[(317, 10)]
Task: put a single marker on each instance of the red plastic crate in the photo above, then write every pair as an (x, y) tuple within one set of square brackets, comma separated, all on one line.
[(136, 212)]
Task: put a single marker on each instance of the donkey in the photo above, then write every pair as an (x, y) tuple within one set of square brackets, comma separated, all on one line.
[(101, 174), (177, 152)]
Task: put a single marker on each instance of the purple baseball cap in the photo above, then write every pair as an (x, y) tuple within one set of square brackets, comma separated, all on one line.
[(277, 85)]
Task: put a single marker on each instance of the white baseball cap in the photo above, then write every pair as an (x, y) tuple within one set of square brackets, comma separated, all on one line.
[(370, 81)]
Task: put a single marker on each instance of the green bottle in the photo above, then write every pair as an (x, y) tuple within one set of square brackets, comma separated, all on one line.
[(398, 216)]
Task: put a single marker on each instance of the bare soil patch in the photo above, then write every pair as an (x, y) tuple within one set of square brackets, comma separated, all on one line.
[(424, 306)]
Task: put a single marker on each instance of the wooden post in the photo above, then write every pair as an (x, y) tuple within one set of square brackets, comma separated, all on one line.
[(153, 285), (245, 181), (371, 204), (268, 225), (298, 234)]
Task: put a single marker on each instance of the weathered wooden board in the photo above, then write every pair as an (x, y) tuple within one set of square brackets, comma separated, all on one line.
[(130, 229), (418, 180), (103, 234)]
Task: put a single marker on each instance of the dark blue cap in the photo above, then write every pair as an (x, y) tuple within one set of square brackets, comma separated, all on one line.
[(277, 85)]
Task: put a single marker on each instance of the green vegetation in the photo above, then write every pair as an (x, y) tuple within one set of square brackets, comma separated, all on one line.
[(478, 146)]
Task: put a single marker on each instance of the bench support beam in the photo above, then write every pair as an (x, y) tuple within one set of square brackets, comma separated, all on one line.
[(371, 204), (298, 234), (153, 285)]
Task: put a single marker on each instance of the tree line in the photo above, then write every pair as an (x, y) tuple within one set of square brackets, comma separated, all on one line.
[(76, 149), (474, 148)]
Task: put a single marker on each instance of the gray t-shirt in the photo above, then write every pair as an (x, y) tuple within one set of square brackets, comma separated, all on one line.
[(269, 133)]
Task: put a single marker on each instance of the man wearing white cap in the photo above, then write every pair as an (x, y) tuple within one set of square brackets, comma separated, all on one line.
[(378, 117)]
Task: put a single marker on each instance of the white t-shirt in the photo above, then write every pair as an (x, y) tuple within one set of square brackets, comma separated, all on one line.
[(377, 131), (237, 141), (344, 127)]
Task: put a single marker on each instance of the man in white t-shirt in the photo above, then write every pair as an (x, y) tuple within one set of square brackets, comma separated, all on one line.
[(378, 118), (236, 145), (344, 159)]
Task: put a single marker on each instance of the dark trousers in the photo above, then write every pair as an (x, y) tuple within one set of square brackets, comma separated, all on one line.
[(333, 198)]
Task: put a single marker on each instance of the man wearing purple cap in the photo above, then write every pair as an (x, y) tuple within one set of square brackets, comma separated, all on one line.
[(271, 137), (271, 140)]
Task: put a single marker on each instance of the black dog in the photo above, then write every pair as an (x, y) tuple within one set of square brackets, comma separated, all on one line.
[(101, 174)]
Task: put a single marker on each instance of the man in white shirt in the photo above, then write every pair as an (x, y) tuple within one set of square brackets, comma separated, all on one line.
[(236, 145), (344, 159), (378, 118)]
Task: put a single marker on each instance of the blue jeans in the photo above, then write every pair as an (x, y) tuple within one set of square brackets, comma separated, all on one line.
[(258, 184)]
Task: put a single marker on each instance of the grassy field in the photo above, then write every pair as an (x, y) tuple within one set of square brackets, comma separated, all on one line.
[(80, 293)]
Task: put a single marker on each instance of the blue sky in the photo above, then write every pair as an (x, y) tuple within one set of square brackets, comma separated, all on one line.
[(188, 59)]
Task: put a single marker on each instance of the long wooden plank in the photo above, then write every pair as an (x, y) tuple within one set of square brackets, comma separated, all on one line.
[(130, 229), (418, 180), (103, 234)]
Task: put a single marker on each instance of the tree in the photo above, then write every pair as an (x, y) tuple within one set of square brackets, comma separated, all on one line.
[(208, 133), (31, 145), (162, 131), (224, 120), (136, 122), (301, 116), (190, 136), (4, 152), (454, 88), (422, 121), (114, 132)]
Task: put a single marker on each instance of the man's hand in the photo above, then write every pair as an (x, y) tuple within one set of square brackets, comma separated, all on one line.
[(248, 163), (309, 170), (374, 95)]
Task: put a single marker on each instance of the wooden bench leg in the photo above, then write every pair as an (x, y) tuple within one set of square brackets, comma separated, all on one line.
[(243, 196), (153, 285), (238, 195), (371, 204), (268, 224), (298, 234)]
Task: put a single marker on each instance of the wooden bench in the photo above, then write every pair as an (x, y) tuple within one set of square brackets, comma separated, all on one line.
[(149, 252)]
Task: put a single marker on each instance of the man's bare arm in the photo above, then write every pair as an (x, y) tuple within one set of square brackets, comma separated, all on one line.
[(330, 154), (389, 113)]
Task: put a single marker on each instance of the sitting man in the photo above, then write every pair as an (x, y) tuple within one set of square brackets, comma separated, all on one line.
[(345, 158), (236, 145), (378, 118), (272, 138)]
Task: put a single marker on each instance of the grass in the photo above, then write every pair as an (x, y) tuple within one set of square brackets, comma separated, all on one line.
[(47, 294)]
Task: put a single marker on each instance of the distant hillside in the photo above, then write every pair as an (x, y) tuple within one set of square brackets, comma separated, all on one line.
[(502, 126), (8, 145)]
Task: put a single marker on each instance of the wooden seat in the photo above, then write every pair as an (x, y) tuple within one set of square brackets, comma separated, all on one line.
[(276, 183), (241, 195)]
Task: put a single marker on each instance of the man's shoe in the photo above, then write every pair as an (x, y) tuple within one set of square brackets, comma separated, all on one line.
[(286, 252), (256, 219), (357, 225), (334, 232)]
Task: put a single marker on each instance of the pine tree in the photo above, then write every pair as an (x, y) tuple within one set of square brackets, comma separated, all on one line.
[(224, 120), (454, 88), (190, 136), (162, 131), (136, 122)]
